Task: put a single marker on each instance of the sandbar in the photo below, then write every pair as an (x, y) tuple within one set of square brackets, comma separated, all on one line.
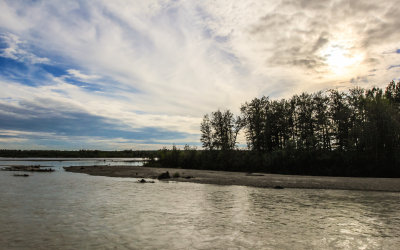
[(245, 179)]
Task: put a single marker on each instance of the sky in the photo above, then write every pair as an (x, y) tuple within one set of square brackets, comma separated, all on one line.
[(115, 75)]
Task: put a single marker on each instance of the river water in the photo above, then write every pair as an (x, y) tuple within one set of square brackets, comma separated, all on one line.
[(62, 210)]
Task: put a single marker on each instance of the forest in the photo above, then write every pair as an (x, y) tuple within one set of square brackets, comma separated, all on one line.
[(349, 133)]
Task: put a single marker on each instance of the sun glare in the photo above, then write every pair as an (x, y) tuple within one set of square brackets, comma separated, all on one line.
[(340, 60)]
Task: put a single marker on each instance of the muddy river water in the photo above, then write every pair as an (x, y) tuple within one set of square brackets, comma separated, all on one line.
[(62, 210)]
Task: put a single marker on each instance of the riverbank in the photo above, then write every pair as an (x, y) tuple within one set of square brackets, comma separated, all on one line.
[(244, 179)]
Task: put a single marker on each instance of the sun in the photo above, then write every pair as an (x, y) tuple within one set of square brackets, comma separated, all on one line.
[(340, 59)]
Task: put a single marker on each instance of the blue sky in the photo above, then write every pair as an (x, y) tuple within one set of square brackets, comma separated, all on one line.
[(141, 74)]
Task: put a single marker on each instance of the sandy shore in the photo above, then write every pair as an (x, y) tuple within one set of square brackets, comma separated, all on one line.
[(245, 179)]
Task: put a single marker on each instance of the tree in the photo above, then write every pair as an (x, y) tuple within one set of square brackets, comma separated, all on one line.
[(254, 116), (340, 115), (392, 92), (337, 133), (322, 122), (382, 124), (206, 133), (356, 104), (305, 121), (220, 131)]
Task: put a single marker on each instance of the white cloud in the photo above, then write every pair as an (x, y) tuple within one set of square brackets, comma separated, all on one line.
[(283, 40), (77, 74), (15, 50), (63, 97), (16, 139)]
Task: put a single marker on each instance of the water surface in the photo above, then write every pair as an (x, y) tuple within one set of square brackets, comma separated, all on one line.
[(66, 210)]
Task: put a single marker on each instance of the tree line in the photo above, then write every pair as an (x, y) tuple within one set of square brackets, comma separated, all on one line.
[(351, 133), (79, 153), (361, 120)]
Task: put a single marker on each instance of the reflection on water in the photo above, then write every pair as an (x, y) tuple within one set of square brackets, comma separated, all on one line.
[(63, 162), (73, 211)]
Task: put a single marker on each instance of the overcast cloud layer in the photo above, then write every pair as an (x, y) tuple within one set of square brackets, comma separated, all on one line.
[(141, 74)]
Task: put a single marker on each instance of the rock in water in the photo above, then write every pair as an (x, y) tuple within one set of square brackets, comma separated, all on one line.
[(164, 176)]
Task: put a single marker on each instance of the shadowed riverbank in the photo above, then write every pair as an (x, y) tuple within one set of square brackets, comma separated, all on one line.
[(244, 179)]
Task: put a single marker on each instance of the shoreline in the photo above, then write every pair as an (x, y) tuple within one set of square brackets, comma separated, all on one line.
[(39, 159), (262, 180)]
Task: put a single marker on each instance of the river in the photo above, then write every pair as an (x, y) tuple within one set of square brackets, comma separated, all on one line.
[(63, 210)]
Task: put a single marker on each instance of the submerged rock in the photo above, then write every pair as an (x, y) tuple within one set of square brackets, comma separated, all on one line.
[(144, 181), (164, 176), (34, 168), (21, 175)]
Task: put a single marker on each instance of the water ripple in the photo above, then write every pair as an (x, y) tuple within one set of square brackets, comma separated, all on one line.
[(75, 211)]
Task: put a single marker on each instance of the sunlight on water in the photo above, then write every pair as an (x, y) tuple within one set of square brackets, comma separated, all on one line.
[(73, 211)]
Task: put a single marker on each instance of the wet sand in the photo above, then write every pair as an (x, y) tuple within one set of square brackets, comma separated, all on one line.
[(245, 179)]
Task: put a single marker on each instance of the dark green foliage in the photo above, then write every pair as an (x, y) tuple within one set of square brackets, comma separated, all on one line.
[(329, 163), (354, 133), (392, 92), (219, 131)]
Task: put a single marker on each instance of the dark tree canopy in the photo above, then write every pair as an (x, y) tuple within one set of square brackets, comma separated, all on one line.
[(351, 133), (220, 130)]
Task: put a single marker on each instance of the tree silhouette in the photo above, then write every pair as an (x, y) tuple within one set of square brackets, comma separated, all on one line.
[(220, 131), (352, 133)]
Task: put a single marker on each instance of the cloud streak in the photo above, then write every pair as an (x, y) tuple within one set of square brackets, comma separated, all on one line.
[(15, 49)]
